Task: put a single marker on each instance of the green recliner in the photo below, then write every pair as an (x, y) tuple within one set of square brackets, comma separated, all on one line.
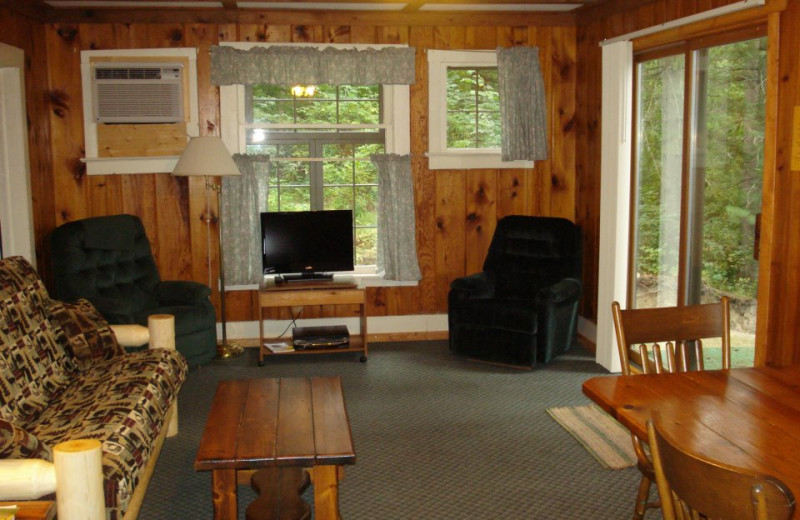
[(522, 309), (108, 261)]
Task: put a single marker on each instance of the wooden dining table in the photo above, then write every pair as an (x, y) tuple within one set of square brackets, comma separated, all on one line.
[(747, 417)]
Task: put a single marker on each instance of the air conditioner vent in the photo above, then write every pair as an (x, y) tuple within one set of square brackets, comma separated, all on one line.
[(125, 93)]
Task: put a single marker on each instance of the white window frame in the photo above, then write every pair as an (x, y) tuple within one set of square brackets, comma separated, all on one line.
[(396, 125), (96, 165), (396, 105), (440, 157)]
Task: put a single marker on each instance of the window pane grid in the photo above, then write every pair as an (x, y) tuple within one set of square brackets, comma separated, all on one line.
[(319, 149)]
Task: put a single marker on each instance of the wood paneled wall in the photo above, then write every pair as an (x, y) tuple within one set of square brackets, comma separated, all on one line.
[(457, 210), (778, 336)]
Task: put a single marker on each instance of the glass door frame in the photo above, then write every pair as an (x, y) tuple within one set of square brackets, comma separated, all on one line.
[(689, 243)]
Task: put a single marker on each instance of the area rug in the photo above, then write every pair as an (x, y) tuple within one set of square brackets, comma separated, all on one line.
[(602, 436)]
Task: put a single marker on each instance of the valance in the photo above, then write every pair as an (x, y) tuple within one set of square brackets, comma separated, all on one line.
[(288, 65)]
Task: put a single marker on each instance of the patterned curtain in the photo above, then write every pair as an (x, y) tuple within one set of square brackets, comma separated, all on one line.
[(286, 65), (397, 244), (523, 124), (242, 200)]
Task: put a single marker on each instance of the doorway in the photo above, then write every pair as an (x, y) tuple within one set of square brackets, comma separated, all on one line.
[(697, 177)]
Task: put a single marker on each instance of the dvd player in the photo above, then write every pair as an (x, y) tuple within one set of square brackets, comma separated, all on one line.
[(320, 337)]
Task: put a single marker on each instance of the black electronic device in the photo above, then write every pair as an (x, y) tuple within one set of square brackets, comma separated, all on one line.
[(307, 244), (320, 337)]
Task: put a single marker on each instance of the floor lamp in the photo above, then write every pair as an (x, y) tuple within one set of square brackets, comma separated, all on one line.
[(207, 157)]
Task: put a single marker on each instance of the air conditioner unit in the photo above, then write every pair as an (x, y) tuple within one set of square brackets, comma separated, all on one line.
[(138, 92)]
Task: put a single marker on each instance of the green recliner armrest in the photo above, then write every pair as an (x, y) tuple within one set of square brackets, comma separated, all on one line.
[(114, 310), (556, 306), (478, 285), (566, 290), (181, 292)]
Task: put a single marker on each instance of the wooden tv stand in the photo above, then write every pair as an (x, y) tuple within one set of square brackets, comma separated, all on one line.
[(312, 292)]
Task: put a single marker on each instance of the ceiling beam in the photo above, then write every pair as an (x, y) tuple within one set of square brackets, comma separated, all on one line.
[(602, 10), (36, 9), (309, 17)]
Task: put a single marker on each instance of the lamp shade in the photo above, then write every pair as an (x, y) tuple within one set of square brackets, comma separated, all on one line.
[(206, 156)]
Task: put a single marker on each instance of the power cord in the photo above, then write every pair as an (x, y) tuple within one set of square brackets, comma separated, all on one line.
[(293, 322)]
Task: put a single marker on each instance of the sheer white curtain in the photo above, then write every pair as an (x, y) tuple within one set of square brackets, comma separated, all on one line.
[(615, 186), (397, 238), (242, 200)]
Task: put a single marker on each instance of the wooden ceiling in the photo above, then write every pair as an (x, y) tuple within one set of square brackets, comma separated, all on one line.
[(351, 5), (222, 11)]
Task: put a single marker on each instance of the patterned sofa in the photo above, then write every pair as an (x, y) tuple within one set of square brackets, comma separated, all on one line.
[(63, 376)]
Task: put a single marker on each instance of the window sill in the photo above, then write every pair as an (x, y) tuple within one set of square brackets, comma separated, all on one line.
[(129, 165), (362, 279), (471, 160)]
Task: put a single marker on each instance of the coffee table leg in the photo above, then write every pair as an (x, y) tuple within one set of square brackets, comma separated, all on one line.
[(223, 493), (326, 492)]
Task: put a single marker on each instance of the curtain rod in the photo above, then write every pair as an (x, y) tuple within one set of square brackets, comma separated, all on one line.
[(705, 15)]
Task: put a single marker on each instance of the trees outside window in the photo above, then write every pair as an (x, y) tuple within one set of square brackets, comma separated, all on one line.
[(320, 153), (698, 176)]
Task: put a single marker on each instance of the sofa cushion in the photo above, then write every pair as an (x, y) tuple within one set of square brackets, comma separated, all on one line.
[(34, 366), (121, 402), (18, 443), (84, 332)]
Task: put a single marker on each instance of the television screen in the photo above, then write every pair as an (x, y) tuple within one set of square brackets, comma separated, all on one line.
[(307, 242)]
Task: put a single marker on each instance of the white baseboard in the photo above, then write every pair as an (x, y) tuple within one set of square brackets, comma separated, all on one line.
[(375, 325)]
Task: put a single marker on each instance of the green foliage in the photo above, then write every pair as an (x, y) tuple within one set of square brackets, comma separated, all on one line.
[(726, 162), (473, 108)]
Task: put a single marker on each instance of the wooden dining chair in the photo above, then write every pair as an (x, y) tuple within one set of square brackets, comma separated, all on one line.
[(643, 333), (692, 487), (646, 336)]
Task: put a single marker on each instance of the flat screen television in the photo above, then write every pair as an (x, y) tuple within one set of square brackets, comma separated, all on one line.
[(307, 244)]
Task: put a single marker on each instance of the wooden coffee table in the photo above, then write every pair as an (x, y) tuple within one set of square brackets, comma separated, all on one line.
[(268, 423)]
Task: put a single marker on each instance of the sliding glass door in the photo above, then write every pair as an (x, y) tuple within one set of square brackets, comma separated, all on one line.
[(697, 177)]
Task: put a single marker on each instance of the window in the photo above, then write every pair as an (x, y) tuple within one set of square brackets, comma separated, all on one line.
[(464, 110), (473, 108), (700, 119), (321, 160), (319, 146)]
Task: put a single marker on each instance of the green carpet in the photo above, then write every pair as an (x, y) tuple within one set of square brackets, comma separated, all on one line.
[(436, 437)]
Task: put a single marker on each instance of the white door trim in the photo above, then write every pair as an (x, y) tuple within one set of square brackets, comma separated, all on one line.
[(16, 208)]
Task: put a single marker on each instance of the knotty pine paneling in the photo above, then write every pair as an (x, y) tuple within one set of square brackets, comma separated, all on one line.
[(457, 210), (783, 294), (778, 329)]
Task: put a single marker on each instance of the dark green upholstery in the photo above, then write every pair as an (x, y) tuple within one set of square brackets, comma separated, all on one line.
[(523, 307), (108, 261)]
